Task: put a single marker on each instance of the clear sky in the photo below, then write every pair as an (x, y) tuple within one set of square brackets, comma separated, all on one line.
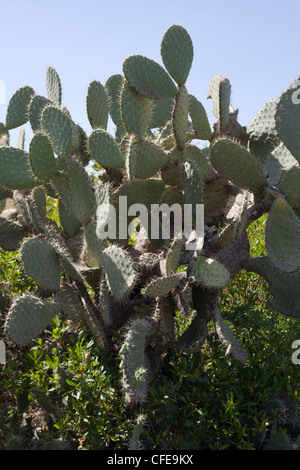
[(253, 43)]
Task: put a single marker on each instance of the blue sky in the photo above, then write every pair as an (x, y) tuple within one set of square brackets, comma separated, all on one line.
[(254, 44)]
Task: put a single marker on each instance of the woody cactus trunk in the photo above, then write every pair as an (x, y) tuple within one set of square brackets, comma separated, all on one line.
[(127, 287)]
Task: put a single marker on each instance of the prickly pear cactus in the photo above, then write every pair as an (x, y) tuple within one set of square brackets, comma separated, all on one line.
[(118, 259)]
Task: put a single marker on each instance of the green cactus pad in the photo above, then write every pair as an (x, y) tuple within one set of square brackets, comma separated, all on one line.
[(114, 86), (215, 198), (69, 222), (180, 117), (279, 161), (104, 149), (97, 105), (133, 364), (287, 119), (194, 336), (148, 78), (67, 300), (162, 286), (211, 273), (177, 53), (57, 125), (28, 317), (219, 91), (172, 196), (68, 266), (119, 270), (284, 156), (36, 108), (15, 169), (235, 163), (192, 153), (23, 206), (74, 190), (42, 160), (18, 107), (192, 185), (41, 262), (136, 111), (11, 234), (92, 246), (96, 328), (161, 112), (39, 206), (263, 126), (283, 236), (53, 86), (103, 210), (149, 159), (171, 172), (164, 318), (289, 184), (146, 192), (227, 338), (199, 118), (166, 136), (273, 171), (173, 256), (262, 150), (284, 287)]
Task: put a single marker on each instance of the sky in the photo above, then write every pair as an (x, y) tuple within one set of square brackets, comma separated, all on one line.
[(254, 44)]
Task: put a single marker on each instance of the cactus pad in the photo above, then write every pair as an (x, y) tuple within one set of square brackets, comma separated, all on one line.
[(114, 86), (263, 126), (235, 163), (136, 111), (28, 317), (119, 270), (57, 126), (287, 118), (18, 107), (97, 105), (15, 169), (219, 91), (74, 190), (41, 156), (162, 286), (283, 236), (177, 53), (38, 254), (199, 118), (210, 273), (148, 78), (104, 149), (37, 105), (53, 86), (11, 234)]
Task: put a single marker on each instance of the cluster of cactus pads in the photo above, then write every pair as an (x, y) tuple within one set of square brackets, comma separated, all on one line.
[(129, 289)]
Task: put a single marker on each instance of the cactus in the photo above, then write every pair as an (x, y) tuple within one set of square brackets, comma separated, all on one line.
[(126, 274)]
